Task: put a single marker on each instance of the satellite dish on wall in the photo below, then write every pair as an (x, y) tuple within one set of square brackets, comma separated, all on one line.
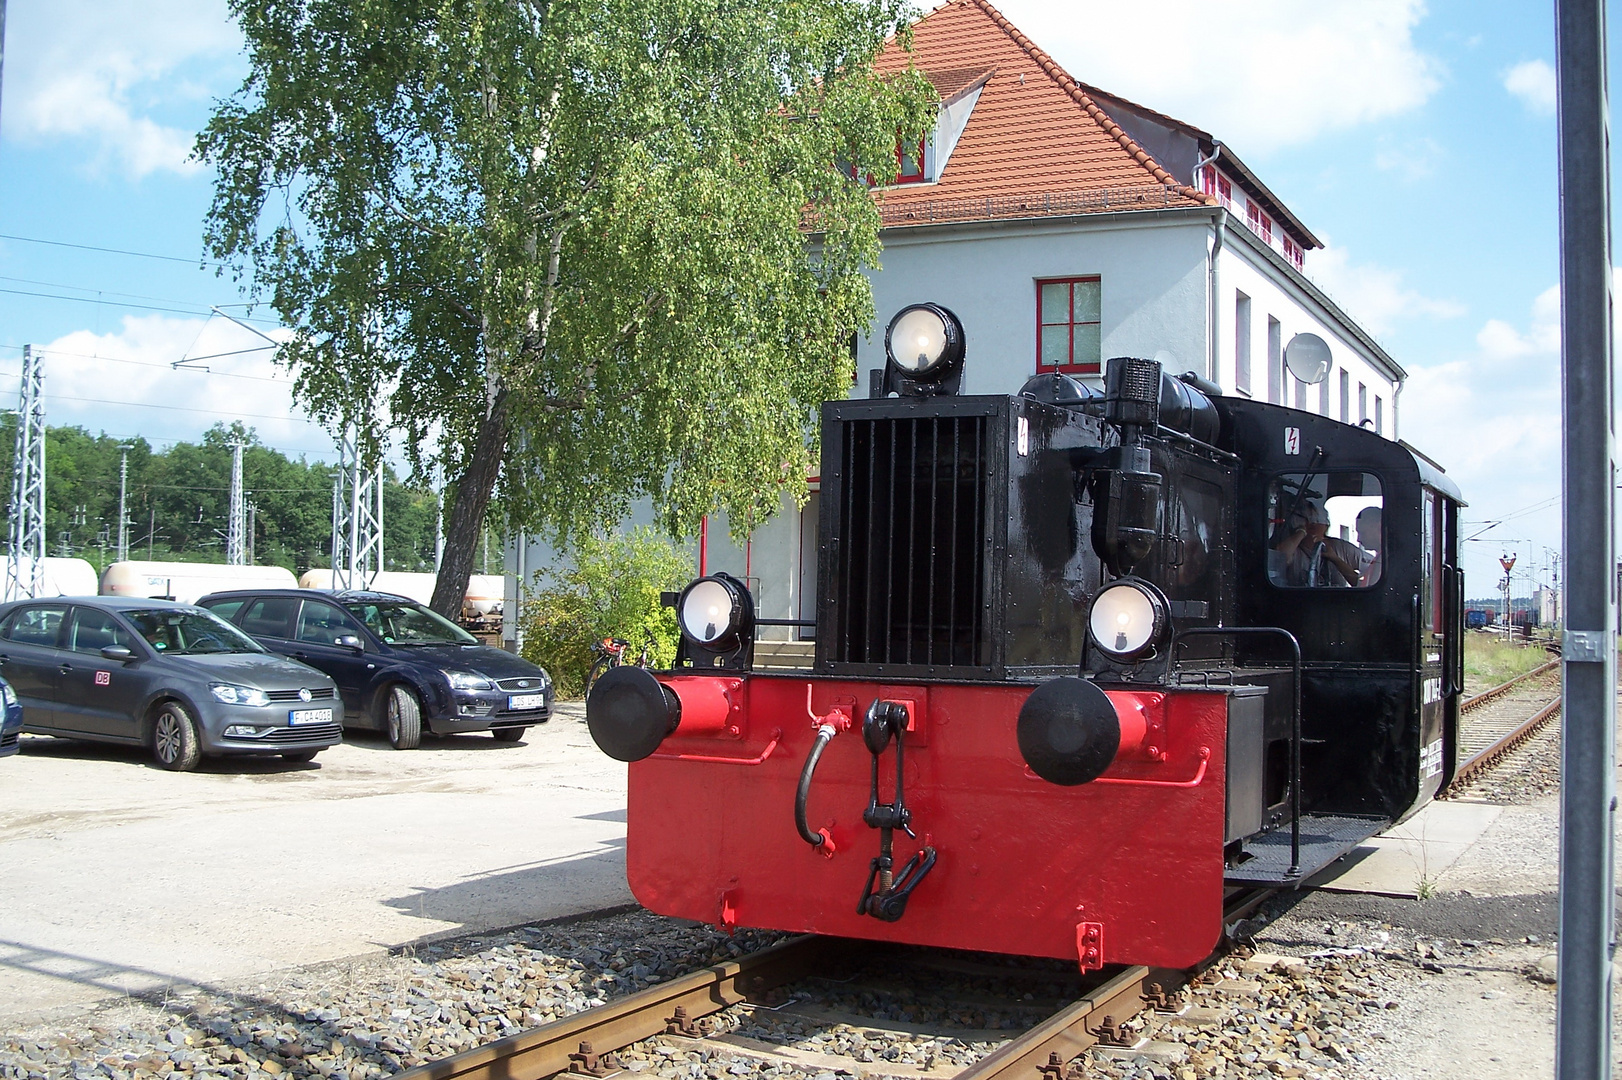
[(1307, 357)]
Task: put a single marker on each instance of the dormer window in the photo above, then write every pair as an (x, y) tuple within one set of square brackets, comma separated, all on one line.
[(1259, 223), (1293, 252), (911, 161)]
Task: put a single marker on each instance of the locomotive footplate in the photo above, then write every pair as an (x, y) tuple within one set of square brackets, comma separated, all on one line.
[(1324, 838)]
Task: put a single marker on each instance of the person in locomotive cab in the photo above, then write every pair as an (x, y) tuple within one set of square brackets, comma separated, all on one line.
[(1311, 557), (1368, 538)]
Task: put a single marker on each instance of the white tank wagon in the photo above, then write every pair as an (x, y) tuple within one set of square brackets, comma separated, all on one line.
[(61, 577), (483, 597), (186, 582)]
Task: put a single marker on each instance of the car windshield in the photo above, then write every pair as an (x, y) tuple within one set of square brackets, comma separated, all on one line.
[(400, 622), (188, 632)]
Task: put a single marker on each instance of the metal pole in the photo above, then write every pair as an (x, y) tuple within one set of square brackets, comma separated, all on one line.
[(1588, 713), (2, 39), (123, 515)]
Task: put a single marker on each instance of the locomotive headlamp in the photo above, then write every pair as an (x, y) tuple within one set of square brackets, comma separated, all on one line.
[(924, 347), (711, 610), (1127, 618)]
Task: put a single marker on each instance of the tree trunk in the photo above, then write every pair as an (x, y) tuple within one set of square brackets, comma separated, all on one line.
[(473, 492)]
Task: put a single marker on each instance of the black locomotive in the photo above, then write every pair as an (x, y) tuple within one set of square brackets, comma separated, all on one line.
[(1122, 651)]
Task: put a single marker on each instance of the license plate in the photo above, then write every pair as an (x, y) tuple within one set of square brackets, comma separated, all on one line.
[(299, 717), (516, 702)]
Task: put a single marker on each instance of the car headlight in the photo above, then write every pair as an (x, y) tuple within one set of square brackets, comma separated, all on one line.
[(467, 680), (1128, 617), (710, 611), (8, 694), (238, 695)]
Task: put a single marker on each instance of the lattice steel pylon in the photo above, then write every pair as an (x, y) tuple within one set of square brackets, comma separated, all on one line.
[(25, 570), (236, 520), (357, 518)]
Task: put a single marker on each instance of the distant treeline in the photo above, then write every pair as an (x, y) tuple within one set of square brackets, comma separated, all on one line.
[(177, 501)]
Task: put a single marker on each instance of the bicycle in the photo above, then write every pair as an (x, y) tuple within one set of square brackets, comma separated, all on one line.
[(610, 653)]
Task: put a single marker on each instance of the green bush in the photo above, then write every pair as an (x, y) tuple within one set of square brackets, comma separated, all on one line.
[(608, 587)]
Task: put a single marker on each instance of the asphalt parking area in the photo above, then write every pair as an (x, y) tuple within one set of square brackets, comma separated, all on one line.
[(117, 876)]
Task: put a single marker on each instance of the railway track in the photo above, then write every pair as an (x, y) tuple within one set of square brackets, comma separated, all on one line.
[(1496, 721), (1092, 1009)]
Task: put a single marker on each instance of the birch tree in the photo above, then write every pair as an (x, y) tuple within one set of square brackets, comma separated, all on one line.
[(560, 247)]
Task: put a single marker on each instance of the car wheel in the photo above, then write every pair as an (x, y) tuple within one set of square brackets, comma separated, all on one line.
[(402, 714), (300, 755), (174, 738), (508, 734)]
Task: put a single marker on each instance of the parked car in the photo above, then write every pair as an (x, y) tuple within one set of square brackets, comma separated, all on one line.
[(399, 666), (11, 720), (173, 677)]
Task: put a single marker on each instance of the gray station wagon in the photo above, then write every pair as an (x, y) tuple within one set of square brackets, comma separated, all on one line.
[(173, 677)]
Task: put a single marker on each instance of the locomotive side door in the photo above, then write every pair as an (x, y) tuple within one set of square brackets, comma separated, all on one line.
[(1440, 640)]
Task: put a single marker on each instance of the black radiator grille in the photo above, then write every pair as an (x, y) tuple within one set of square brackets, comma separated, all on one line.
[(910, 573)]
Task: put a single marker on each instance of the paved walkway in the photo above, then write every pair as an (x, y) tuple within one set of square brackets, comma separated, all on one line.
[(116, 876)]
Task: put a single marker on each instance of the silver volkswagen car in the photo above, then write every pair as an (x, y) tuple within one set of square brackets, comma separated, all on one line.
[(168, 676)]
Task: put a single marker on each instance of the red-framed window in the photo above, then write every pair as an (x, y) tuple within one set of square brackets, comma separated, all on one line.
[(1293, 252), (1067, 325), (910, 163), (1224, 191), (1260, 223)]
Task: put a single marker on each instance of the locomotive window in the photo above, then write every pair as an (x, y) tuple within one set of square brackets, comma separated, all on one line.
[(1324, 530)]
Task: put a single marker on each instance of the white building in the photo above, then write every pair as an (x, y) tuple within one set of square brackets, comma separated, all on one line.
[(1065, 225)]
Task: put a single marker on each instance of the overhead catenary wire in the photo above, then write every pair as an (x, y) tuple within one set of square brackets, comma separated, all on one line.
[(110, 251), (161, 366)]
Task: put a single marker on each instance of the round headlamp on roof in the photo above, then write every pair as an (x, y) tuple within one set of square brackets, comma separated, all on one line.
[(711, 610), (925, 342), (1128, 618)]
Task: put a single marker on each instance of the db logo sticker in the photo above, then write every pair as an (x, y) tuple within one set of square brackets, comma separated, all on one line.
[(104, 678), (1292, 440)]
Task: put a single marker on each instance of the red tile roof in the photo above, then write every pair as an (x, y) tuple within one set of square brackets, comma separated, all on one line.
[(1037, 143)]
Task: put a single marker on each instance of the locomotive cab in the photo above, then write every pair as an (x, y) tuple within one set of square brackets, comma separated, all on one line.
[(1083, 663)]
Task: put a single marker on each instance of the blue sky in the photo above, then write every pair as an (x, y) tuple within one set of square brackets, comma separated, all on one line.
[(1416, 139)]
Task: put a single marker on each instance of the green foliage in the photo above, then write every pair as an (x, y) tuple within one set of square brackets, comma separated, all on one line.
[(177, 501), (1490, 660), (609, 587), (568, 233)]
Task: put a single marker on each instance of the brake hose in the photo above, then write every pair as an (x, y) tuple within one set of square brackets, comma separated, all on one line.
[(825, 734)]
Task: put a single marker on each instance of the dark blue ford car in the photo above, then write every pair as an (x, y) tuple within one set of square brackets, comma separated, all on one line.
[(399, 666)]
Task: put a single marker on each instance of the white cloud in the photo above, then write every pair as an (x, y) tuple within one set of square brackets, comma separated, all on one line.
[(111, 382), (1373, 295), (1532, 82), (1494, 420), (1413, 160), (108, 72), (1501, 341), (1260, 75)]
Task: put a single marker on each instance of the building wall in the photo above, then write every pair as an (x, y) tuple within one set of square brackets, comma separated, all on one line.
[(1152, 272), (1244, 272)]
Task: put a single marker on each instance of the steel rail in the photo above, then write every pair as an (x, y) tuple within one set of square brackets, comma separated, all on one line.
[(1042, 1052), (579, 1039), (1065, 1034), (1488, 757), (576, 1045), (1505, 687)]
